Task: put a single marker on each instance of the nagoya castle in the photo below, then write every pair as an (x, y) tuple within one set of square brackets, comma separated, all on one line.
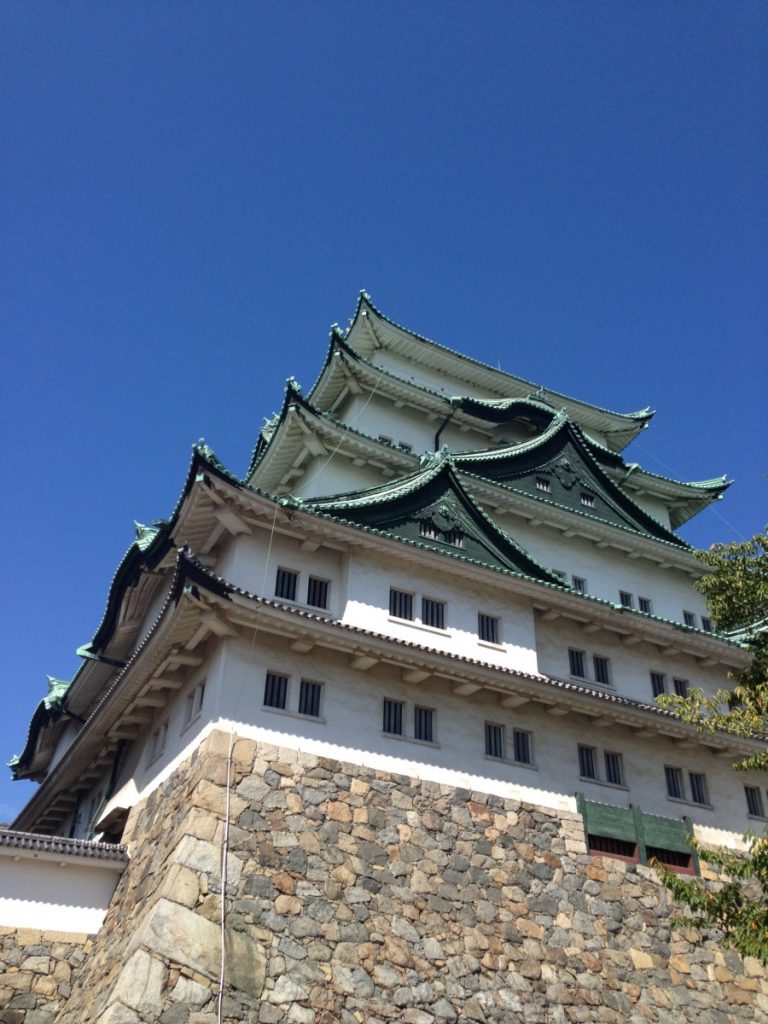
[(371, 734)]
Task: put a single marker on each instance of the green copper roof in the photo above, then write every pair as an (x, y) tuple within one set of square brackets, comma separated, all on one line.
[(432, 508), (560, 466), (627, 425)]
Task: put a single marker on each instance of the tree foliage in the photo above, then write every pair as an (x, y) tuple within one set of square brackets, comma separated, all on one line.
[(736, 588)]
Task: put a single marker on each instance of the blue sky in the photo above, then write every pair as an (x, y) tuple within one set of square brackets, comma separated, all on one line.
[(194, 191)]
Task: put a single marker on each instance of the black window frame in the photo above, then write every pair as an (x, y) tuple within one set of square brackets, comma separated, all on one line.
[(286, 583), (310, 696), (275, 687), (423, 724), (401, 601), (488, 628), (433, 612), (318, 592), (393, 715), (495, 745)]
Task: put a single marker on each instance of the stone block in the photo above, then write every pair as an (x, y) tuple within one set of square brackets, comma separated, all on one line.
[(140, 983), (188, 939)]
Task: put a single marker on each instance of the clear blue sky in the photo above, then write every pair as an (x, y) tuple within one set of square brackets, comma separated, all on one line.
[(194, 191)]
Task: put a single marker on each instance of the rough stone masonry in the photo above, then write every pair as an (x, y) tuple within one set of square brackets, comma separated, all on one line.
[(358, 897)]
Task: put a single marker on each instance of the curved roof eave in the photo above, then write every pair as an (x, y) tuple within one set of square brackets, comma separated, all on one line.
[(622, 427)]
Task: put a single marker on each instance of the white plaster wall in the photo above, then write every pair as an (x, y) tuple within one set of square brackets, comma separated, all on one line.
[(653, 506), (630, 666), (368, 606), (54, 895), (607, 571), (252, 561), (350, 729), (335, 475)]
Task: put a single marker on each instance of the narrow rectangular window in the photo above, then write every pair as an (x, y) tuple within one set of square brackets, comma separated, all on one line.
[(384, 439), (674, 780), (400, 604), (576, 663), (587, 762), (309, 698), (454, 537), (579, 584), (285, 584), (522, 746), (602, 669), (698, 783), (614, 768), (706, 624), (428, 529), (423, 724), (754, 801), (157, 745), (317, 592), (626, 599), (393, 717), (275, 690), (405, 447), (681, 687), (542, 483), (433, 613), (588, 499), (488, 628), (200, 697), (658, 683), (494, 740), (644, 604), (689, 618), (189, 708)]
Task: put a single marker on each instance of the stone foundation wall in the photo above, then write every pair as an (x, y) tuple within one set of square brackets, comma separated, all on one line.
[(35, 973), (358, 897)]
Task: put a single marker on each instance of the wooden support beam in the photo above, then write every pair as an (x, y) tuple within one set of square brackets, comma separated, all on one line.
[(557, 711), (465, 689), (514, 700), (416, 675), (362, 662), (303, 646)]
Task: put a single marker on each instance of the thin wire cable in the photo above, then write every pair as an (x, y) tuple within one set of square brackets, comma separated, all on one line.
[(241, 688), (669, 469)]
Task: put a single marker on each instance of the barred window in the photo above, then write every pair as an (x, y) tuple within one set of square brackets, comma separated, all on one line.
[(706, 624), (627, 601), (579, 584), (614, 768), (674, 780), (602, 669), (285, 584), (309, 698), (658, 683), (698, 783), (494, 740), (542, 483), (193, 704), (576, 663), (587, 499), (681, 687), (754, 801), (400, 604), (644, 603), (317, 592), (689, 618), (587, 762), (454, 537), (423, 724), (428, 529), (393, 717), (521, 742), (488, 628), (275, 690), (433, 613)]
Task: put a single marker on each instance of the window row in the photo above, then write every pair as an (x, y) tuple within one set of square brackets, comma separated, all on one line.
[(403, 605), (607, 767), (287, 587), (404, 446), (429, 531), (597, 668)]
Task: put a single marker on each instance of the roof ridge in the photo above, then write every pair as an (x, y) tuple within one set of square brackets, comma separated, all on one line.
[(364, 298)]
